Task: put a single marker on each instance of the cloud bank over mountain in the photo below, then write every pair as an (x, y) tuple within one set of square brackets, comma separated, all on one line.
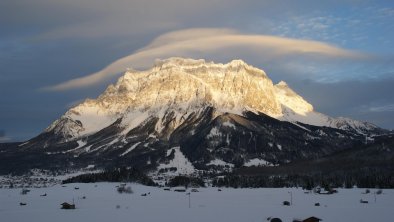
[(210, 42)]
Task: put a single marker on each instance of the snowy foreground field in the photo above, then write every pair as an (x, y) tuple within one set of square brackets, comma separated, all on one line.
[(103, 203)]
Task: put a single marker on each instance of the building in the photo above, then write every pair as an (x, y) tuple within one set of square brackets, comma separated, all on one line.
[(309, 219), (312, 219), (67, 206)]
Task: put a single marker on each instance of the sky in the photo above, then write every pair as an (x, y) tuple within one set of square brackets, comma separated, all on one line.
[(337, 54)]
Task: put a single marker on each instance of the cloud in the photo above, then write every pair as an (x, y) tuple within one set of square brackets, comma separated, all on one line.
[(3, 137), (385, 108), (368, 100), (208, 42), (97, 19)]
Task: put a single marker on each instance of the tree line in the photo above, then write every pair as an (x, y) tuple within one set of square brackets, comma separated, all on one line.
[(113, 175), (337, 179)]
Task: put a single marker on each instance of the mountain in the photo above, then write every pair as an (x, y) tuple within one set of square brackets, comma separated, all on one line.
[(191, 114), (368, 165)]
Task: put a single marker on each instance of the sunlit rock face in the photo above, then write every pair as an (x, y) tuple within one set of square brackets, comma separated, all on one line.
[(184, 83), (180, 84), (287, 97), (185, 86)]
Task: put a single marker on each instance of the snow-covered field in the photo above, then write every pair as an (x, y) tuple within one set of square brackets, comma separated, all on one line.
[(104, 203)]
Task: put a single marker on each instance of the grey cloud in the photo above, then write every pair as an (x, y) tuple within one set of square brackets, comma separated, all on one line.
[(47, 19), (129, 18), (3, 137), (384, 108), (369, 100)]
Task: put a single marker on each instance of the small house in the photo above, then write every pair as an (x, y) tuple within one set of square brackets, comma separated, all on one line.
[(286, 203), (25, 191), (312, 219), (364, 201), (180, 189), (327, 192), (67, 206)]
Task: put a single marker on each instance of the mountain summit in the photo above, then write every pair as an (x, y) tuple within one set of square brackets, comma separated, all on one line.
[(180, 85), (183, 86), (192, 114)]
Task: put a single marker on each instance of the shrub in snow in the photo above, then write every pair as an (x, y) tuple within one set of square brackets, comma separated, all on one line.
[(124, 189), (286, 203), (363, 201), (24, 191), (275, 220), (67, 206), (186, 181)]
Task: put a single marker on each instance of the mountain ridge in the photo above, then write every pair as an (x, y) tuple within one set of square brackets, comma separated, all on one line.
[(233, 87), (216, 116)]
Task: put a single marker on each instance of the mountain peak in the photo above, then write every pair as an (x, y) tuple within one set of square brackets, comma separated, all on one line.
[(201, 64), (179, 62), (185, 62), (282, 84), (237, 62), (182, 86)]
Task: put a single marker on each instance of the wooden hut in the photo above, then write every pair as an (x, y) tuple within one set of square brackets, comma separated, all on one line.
[(309, 219), (67, 206), (312, 219)]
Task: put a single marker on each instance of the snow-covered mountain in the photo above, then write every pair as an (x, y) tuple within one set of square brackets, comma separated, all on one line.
[(179, 85), (183, 86), (213, 115)]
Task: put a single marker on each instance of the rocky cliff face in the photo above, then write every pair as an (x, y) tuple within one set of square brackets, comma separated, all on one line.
[(216, 115), (182, 85), (186, 85)]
